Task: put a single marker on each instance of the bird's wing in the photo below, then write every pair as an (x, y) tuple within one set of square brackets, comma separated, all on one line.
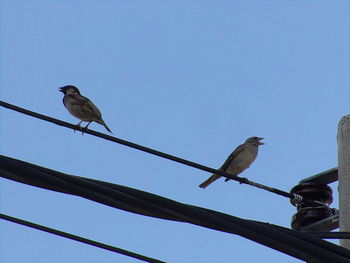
[(87, 106), (232, 156)]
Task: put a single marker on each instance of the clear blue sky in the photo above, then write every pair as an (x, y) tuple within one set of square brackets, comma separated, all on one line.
[(191, 78)]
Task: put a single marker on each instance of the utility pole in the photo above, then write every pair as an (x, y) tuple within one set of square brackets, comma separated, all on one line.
[(344, 177)]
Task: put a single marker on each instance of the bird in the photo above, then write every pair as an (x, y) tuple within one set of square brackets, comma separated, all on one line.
[(239, 160), (81, 107)]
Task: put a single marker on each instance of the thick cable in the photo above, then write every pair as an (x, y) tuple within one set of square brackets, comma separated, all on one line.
[(329, 235), (291, 242)]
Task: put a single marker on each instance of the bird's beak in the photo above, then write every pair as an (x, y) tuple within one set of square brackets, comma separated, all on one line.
[(261, 143), (61, 89)]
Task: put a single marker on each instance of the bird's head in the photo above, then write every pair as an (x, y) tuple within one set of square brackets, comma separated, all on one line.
[(256, 141), (69, 89)]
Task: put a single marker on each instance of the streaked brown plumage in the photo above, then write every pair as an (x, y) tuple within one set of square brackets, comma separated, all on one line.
[(81, 107), (239, 160)]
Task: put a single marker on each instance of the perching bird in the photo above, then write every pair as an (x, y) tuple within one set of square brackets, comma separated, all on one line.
[(81, 107), (239, 160)]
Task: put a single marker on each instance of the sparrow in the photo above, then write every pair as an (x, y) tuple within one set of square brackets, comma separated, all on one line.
[(239, 160), (81, 107)]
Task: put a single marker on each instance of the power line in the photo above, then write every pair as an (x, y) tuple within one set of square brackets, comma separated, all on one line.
[(293, 197), (329, 235), (291, 242), (79, 239)]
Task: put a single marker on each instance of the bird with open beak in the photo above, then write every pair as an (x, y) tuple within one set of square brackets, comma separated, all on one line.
[(239, 160), (81, 107)]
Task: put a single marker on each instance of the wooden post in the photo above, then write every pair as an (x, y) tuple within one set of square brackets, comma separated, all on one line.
[(344, 177)]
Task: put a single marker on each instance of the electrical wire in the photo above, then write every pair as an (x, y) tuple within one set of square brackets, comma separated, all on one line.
[(292, 197), (291, 242), (79, 239), (329, 235)]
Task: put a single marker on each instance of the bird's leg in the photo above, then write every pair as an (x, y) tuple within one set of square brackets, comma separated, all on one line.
[(78, 125), (85, 128), (87, 125)]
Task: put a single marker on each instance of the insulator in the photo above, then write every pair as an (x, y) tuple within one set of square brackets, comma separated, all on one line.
[(310, 212)]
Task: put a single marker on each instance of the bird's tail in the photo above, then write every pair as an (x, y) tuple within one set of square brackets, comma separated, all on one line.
[(211, 179), (105, 125)]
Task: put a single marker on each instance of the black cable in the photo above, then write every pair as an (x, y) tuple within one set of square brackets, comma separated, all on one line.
[(291, 242), (79, 239), (329, 235), (293, 197)]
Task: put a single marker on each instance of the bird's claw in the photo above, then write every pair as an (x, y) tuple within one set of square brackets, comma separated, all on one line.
[(79, 128), (83, 130), (244, 181)]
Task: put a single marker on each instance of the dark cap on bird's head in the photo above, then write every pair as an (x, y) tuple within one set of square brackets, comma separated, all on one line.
[(255, 140), (69, 89)]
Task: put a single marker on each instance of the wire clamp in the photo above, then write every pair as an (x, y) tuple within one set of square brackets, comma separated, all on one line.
[(297, 198)]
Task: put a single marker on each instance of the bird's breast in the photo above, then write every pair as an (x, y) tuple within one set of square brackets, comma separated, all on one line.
[(76, 109), (242, 161)]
